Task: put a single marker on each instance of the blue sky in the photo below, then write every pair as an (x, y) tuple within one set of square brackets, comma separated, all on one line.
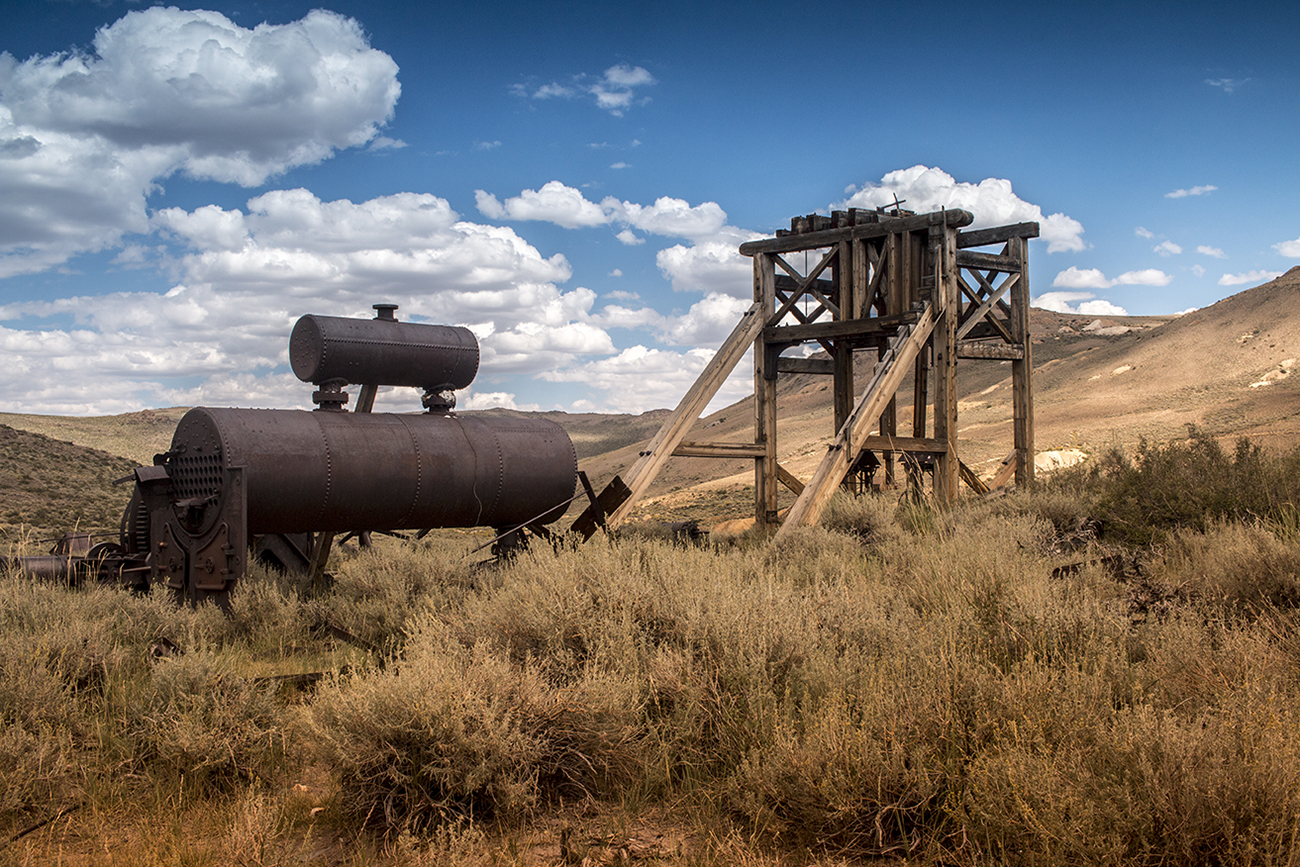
[(179, 184)]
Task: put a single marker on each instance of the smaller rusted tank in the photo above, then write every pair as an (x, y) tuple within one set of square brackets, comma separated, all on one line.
[(383, 351)]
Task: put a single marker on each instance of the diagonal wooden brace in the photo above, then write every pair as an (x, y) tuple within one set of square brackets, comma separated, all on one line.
[(885, 382)]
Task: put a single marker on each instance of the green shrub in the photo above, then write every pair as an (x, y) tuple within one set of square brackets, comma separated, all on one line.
[(1191, 485)]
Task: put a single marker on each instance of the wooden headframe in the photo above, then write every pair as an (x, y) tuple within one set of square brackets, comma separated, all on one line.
[(908, 288)]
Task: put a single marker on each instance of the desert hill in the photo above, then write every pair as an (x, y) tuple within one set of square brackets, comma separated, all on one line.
[(1098, 382), (56, 485)]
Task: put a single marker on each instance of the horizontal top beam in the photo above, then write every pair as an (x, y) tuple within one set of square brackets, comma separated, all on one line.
[(997, 234), (830, 237)]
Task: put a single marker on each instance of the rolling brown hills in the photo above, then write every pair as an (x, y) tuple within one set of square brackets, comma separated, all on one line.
[(1098, 382)]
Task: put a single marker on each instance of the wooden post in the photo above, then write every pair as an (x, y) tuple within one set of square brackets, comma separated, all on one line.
[(1022, 395), (843, 356), (765, 474), (943, 250)]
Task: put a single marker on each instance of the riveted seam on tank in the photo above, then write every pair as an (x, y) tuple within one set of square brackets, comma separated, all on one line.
[(419, 472)]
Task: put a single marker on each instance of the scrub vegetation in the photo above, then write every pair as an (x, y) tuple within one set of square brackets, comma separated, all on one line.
[(1104, 670)]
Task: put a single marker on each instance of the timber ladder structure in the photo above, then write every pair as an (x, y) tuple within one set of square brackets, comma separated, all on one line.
[(909, 288)]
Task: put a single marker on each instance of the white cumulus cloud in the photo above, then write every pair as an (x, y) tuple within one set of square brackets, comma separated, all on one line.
[(1083, 303), (1206, 250), (1145, 277), (640, 378), (992, 201), (1082, 278), (555, 203), (1091, 278), (86, 136), (1290, 249), (1248, 277), (1167, 248)]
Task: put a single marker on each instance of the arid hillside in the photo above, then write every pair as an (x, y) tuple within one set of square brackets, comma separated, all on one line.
[(1098, 382)]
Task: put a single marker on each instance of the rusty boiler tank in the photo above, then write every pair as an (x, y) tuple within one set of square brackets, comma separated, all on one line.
[(234, 474)]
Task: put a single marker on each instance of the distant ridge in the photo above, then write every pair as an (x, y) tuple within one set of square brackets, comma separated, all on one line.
[(1230, 368)]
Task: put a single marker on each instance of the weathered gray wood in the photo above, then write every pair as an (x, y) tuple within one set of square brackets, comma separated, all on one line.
[(819, 366), (786, 284), (1022, 394), (661, 446), (993, 351), (788, 479), (973, 481), (366, 398), (944, 345), (842, 451), (830, 237), (690, 449), (1005, 472), (765, 475), (987, 262), (990, 321), (915, 445), (872, 327), (997, 234), (977, 315), (804, 283)]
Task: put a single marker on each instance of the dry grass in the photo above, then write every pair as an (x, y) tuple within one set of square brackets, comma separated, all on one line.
[(910, 683)]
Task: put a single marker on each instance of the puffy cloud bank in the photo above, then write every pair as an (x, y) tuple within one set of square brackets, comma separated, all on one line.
[(167, 91), (246, 275), (992, 201)]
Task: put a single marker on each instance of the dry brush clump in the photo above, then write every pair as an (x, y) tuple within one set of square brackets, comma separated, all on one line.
[(100, 687)]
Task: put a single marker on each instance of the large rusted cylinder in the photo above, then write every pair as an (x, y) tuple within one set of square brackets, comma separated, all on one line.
[(308, 471), (383, 352)]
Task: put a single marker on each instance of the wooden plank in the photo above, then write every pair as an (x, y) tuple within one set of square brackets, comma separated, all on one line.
[(804, 284), (996, 235), (819, 366), (688, 410), (788, 479), (613, 496), (993, 351), (842, 354), (841, 453), (870, 327), (830, 237), (987, 290), (917, 445), (1003, 475), (973, 481), (859, 280), (877, 255), (987, 262), (690, 449), (920, 392)]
